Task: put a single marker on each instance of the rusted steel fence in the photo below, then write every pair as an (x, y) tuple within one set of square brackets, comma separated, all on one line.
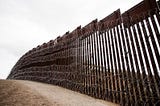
[(116, 59)]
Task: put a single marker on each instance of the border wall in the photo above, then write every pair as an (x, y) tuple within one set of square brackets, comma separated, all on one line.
[(116, 59)]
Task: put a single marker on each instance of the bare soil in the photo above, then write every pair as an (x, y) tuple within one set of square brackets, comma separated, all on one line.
[(29, 93)]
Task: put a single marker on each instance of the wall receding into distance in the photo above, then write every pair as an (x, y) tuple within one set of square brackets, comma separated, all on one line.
[(24, 24), (115, 59)]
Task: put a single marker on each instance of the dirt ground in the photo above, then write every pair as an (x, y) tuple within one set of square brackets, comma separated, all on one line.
[(28, 93)]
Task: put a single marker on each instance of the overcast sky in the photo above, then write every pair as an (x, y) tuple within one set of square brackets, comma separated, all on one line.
[(24, 24)]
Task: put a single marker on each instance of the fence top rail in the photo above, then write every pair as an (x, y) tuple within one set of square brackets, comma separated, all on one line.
[(143, 9), (89, 28), (111, 20)]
